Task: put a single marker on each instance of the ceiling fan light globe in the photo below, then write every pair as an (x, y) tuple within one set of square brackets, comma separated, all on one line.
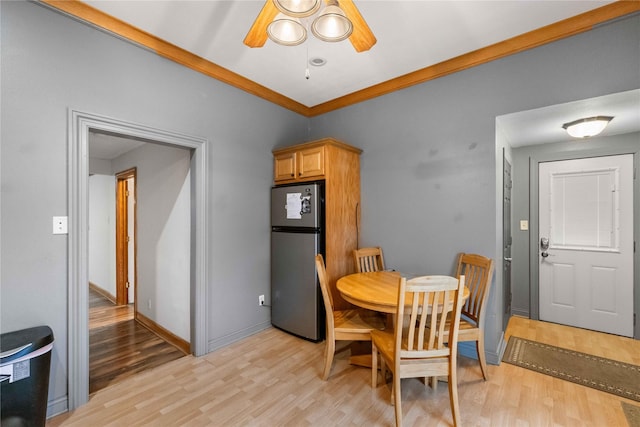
[(298, 8), (332, 25), (286, 31)]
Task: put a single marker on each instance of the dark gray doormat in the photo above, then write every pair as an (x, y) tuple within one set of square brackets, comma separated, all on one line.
[(621, 379)]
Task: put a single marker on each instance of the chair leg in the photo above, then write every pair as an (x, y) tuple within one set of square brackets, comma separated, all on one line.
[(329, 350), (481, 356), (397, 397), (434, 383), (374, 365), (453, 393)]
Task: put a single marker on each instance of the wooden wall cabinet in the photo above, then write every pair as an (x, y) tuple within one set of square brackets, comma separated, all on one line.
[(299, 165), (338, 164)]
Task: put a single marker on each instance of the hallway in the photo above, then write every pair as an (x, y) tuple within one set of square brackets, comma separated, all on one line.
[(120, 347)]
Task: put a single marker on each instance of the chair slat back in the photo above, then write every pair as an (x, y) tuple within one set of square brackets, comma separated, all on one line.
[(478, 272), (368, 259), (424, 304), (324, 288)]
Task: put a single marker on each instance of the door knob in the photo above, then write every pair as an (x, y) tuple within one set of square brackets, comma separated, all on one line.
[(544, 243)]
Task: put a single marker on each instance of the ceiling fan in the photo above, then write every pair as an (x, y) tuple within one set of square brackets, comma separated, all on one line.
[(279, 20)]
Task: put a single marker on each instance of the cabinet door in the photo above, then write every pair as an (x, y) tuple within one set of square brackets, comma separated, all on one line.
[(284, 167), (311, 162)]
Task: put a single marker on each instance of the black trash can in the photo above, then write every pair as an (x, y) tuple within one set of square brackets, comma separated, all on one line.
[(25, 362)]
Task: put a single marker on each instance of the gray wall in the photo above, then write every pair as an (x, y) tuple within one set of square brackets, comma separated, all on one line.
[(51, 63), (428, 169), (163, 209), (429, 181), (102, 233), (618, 144)]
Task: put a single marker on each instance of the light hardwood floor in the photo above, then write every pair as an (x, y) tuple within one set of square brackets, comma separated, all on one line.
[(273, 379)]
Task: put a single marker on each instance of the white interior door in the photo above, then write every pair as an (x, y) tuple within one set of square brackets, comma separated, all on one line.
[(586, 213)]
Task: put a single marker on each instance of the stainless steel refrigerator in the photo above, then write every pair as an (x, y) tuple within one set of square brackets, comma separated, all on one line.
[(297, 235)]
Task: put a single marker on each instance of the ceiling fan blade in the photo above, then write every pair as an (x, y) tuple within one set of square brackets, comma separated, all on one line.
[(362, 38), (257, 35)]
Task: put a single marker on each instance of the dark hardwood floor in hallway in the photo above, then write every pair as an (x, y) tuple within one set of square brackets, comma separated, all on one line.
[(120, 347)]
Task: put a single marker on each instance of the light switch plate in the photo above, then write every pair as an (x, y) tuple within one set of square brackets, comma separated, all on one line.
[(524, 225), (60, 225)]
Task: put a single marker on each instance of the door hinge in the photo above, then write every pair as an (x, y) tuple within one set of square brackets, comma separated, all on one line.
[(127, 285)]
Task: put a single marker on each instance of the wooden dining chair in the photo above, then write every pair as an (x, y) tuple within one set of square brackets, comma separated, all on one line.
[(368, 259), (478, 273), (414, 350), (348, 325)]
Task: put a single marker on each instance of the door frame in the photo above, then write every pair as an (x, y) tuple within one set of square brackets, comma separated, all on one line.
[(79, 125), (534, 294), (507, 226), (122, 234)]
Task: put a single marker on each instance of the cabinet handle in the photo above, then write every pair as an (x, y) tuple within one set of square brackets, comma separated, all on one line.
[(292, 175), (299, 173)]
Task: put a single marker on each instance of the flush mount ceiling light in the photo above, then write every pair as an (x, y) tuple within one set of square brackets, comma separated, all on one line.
[(589, 126), (278, 21)]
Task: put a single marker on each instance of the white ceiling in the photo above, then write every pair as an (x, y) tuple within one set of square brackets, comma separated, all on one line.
[(411, 35), (544, 125), (107, 146)]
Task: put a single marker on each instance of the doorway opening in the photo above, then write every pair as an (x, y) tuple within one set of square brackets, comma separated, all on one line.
[(80, 126)]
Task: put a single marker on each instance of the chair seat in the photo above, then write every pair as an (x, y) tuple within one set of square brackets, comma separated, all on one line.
[(357, 321), (478, 271), (385, 342), (343, 325), (429, 362), (465, 325), (468, 331)]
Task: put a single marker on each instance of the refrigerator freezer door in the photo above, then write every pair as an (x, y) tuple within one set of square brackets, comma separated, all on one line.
[(296, 206), (295, 296)]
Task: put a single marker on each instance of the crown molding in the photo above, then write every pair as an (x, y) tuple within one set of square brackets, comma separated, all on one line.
[(103, 21), (550, 33)]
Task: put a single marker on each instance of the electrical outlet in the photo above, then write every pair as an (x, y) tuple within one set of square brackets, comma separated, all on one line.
[(59, 225), (261, 300)]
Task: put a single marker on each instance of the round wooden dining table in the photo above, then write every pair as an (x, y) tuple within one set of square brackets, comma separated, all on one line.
[(376, 291)]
